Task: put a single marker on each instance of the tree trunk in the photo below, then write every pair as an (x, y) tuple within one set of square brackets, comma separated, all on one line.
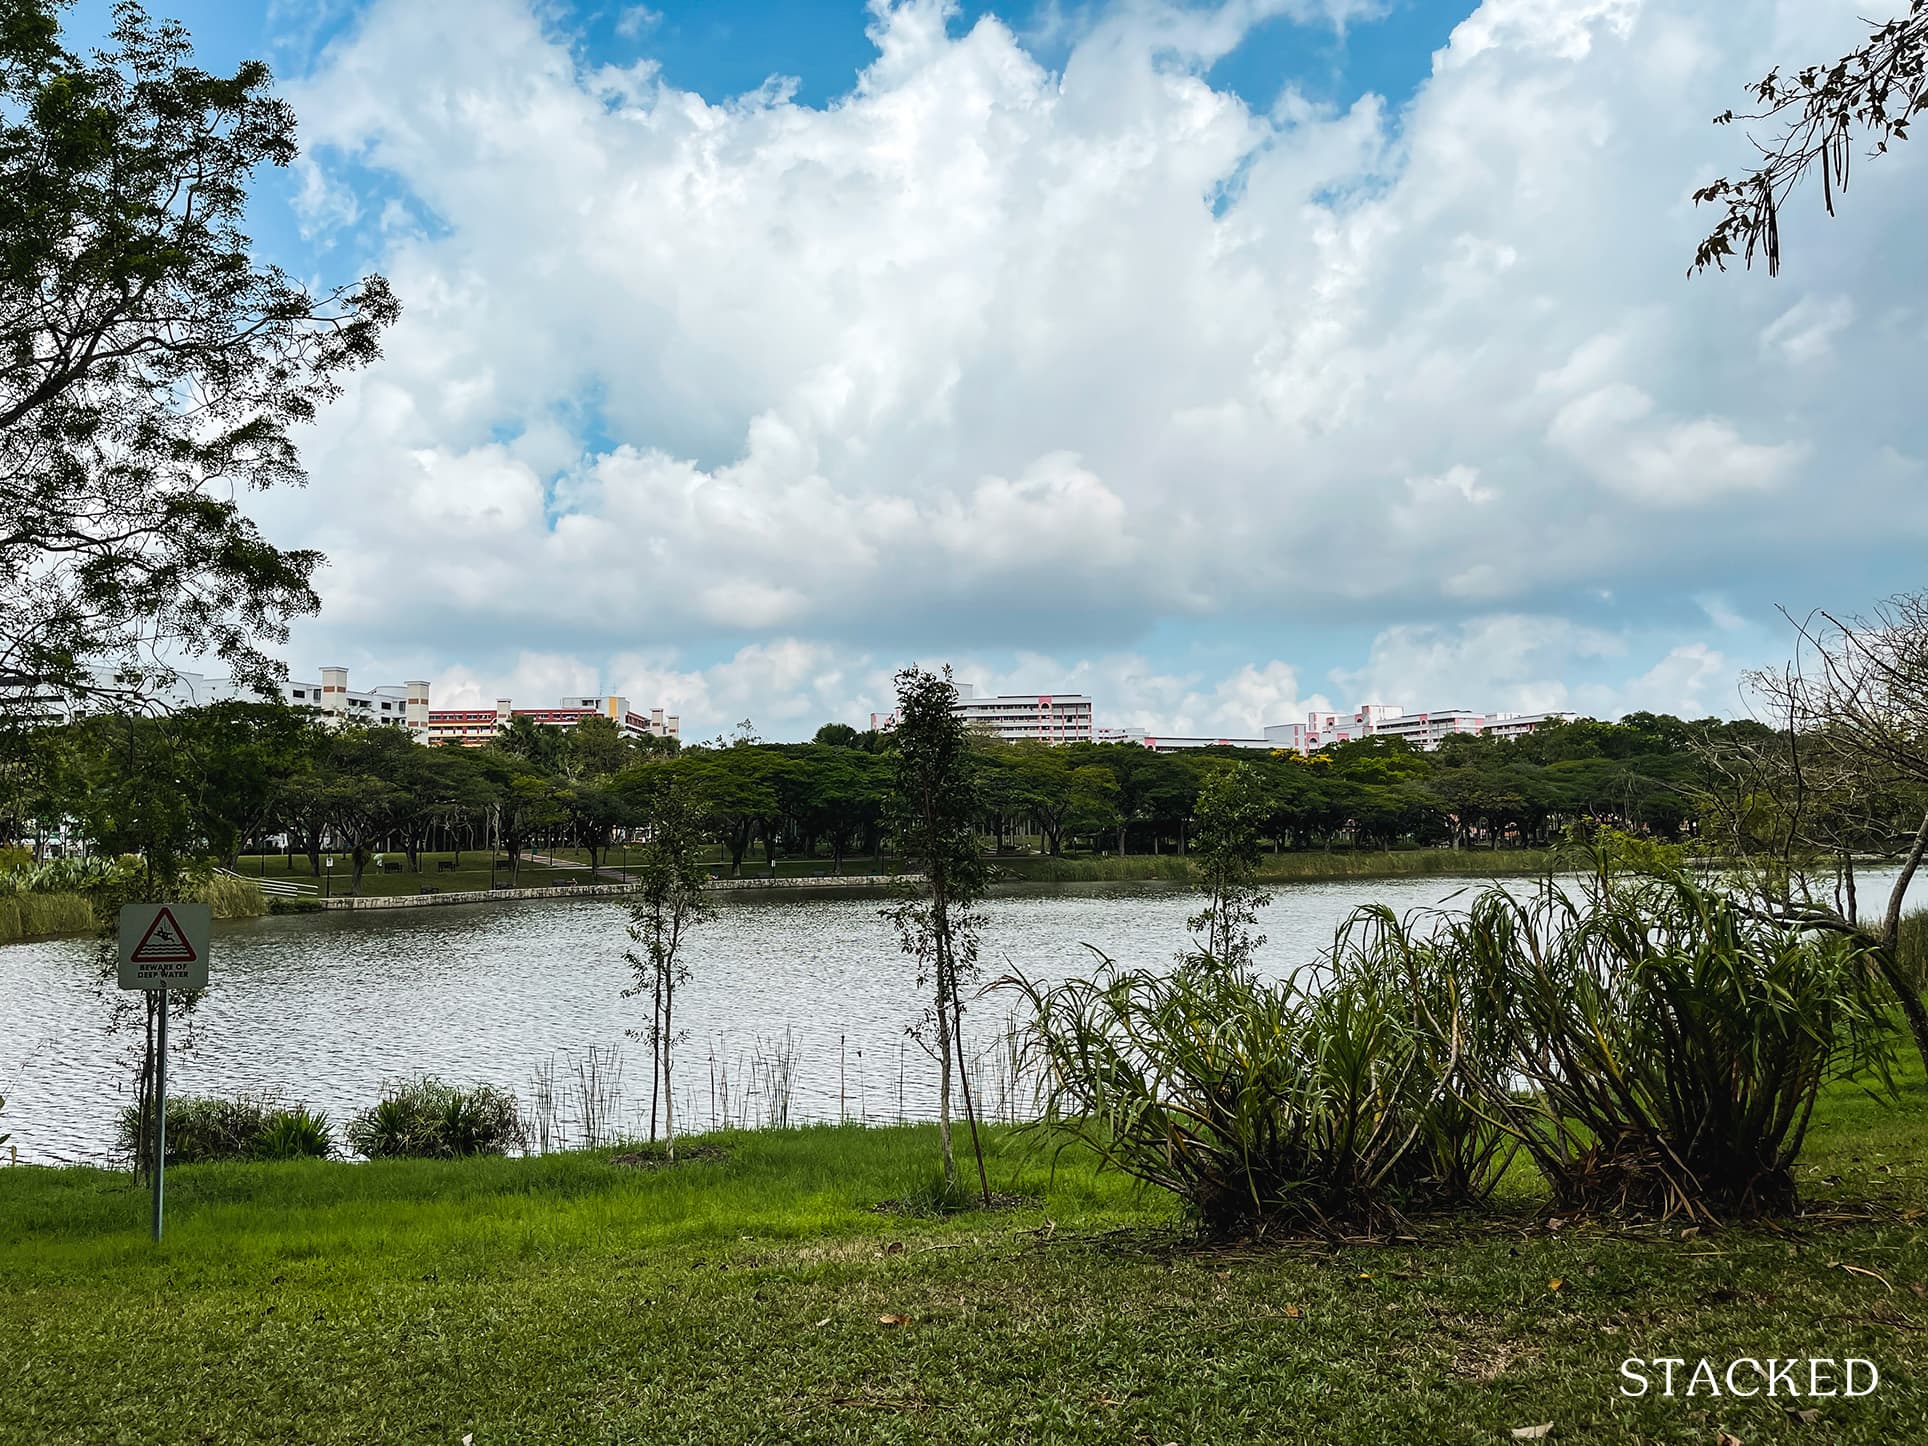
[(970, 1110), (944, 987), (669, 1098)]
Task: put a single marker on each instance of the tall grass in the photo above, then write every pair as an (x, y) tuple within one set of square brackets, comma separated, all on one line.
[(231, 897), (41, 916), (1651, 1045)]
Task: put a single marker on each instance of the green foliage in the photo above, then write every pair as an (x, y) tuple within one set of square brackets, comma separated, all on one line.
[(42, 916), (935, 808), (231, 898), (1912, 949), (1231, 810), (294, 1134), (155, 369), (1651, 1045), (1255, 1103), (423, 1117), (204, 1129), (669, 901)]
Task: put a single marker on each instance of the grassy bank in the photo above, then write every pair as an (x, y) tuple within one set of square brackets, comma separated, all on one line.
[(1308, 866), (43, 916), (570, 1299), (26, 915)]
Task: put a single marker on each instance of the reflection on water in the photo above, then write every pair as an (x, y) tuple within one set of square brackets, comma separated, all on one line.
[(321, 1008)]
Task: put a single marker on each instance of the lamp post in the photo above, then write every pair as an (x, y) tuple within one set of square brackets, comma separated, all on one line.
[(328, 875)]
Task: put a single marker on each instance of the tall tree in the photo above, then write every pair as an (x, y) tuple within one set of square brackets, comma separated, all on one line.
[(153, 368), (935, 802), (1868, 97)]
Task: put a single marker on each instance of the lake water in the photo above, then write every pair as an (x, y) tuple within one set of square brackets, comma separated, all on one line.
[(321, 1009)]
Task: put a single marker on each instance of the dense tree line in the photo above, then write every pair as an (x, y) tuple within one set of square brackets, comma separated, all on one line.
[(220, 780)]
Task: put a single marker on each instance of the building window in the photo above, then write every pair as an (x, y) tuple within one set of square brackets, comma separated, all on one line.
[(300, 694)]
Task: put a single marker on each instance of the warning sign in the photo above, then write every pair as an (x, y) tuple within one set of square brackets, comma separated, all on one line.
[(164, 946)]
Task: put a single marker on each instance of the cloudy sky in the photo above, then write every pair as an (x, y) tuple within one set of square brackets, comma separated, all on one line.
[(1216, 359)]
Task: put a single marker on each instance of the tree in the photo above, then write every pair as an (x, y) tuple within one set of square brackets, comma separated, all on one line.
[(524, 800), (1826, 111), (934, 764), (837, 735), (594, 813), (249, 756), (1847, 773), (371, 771), (842, 795), (1225, 861), (153, 370), (593, 749), (542, 747), (669, 902)]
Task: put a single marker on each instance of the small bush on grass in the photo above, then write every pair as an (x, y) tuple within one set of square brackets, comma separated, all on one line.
[(201, 1129), (427, 1118), (1660, 1050), (1252, 1102), (294, 1134)]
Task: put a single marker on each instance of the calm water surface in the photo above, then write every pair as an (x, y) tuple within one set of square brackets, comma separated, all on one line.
[(322, 1008)]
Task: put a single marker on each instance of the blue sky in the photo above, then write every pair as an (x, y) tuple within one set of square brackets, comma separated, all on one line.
[(1221, 359)]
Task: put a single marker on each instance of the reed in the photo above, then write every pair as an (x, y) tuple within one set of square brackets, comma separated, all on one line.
[(43, 916)]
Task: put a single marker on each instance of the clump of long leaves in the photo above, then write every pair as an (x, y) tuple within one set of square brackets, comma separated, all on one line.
[(205, 1128), (1253, 1102), (1654, 1047), (428, 1118), (297, 1134), (1461, 1151)]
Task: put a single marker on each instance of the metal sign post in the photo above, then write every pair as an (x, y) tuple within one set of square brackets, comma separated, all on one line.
[(163, 947)]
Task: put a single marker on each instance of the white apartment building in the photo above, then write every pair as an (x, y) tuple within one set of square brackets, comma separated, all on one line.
[(1018, 717), (404, 706), (472, 727), (1424, 731)]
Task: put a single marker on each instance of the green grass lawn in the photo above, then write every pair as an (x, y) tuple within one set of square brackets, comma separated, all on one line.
[(569, 1299)]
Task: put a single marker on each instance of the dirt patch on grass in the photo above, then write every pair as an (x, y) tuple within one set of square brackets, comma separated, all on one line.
[(656, 1157), (932, 1206)]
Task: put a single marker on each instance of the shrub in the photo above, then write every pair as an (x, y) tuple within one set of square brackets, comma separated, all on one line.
[(1659, 1050), (1252, 1102), (294, 1134), (427, 1118), (201, 1129), (230, 897)]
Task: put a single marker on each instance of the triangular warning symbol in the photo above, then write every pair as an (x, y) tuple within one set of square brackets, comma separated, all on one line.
[(164, 943)]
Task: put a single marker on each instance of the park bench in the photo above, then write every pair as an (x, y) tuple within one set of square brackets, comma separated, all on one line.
[(502, 883), (430, 889), (445, 866), (390, 868)]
